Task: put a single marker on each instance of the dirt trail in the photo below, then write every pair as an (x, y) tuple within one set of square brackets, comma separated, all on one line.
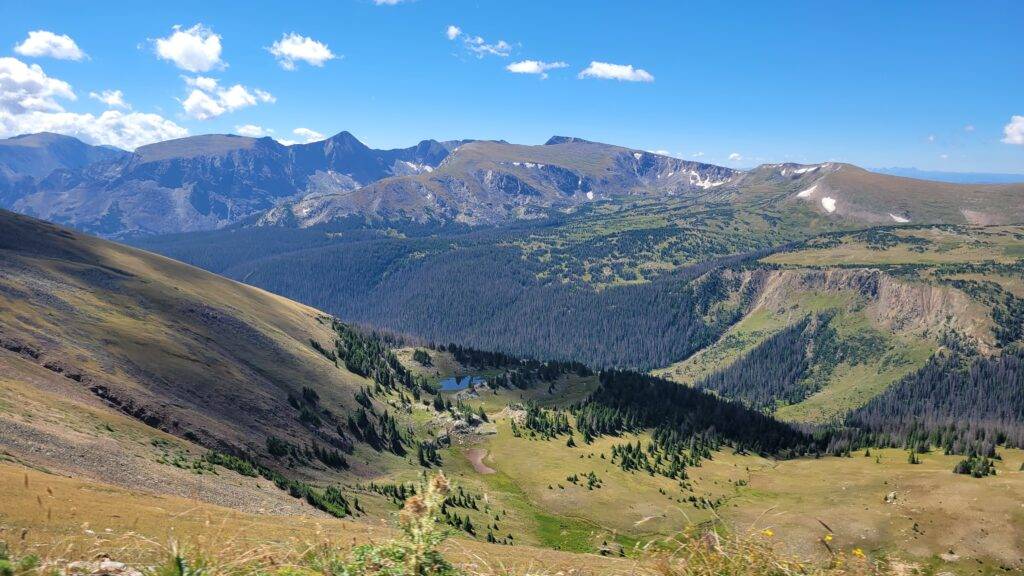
[(476, 458)]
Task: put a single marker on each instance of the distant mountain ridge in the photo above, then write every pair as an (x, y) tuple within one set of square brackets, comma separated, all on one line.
[(195, 183), (487, 182), (26, 159), (211, 181), (955, 177)]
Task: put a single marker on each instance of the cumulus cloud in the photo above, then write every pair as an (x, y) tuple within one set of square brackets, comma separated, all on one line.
[(697, 154), (45, 43), (28, 104), (735, 157), (112, 98), (620, 72), (292, 48), (252, 131), (1013, 133), (202, 82), (534, 67), (201, 106), (476, 45), (27, 88), (308, 135), (195, 49), (127, 130), (208, 100)]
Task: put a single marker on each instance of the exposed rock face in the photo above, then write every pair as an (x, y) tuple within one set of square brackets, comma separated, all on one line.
[(211, 181), (490, 182), (194, 183), (898, 305), (27, 159)]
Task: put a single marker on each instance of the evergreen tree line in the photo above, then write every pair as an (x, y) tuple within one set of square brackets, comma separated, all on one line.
[(654, 460), (774, 372), (548, 424), (543, 371), (380, 432), (475, 288), (960, 402), (630, 402)]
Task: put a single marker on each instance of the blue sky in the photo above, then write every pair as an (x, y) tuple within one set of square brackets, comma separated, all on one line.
[(934, 85)]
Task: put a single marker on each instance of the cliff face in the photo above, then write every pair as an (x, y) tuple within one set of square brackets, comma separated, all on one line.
[(897, 305)]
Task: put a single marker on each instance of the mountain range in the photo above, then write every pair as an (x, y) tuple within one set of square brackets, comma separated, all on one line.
[(195, 183), (213, 181)]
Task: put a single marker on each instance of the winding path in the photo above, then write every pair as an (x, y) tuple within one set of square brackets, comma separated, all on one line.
[(476, 458)]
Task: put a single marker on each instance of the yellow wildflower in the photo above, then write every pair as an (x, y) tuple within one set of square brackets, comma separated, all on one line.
[(858, 552), (828, 537), (767, 533)]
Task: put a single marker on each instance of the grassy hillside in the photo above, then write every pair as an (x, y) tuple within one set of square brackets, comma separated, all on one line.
[(189, 353), (134, 383), (890, 295)]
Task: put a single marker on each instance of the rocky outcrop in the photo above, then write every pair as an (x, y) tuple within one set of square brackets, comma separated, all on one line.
[(896, 304), (196, 183)]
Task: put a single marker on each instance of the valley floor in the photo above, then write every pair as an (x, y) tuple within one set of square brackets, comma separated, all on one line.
[(877, 501)]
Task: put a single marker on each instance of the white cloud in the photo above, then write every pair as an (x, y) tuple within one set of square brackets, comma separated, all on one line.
[(735, 157), (534, 67), (621, 72), (26, 88), (205, 104), (931, 137), (1013, 133), (292, 48), (308, 135), (112, 98), (196, 49), (202, 82), (264, 96), (201, 106), (46, 43), (387, 2), (969, 128), (28, 104), (252, 131), (236, 97), (127, 130), (697, 154), (477, 45)]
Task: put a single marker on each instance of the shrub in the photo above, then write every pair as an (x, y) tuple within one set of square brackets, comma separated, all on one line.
[(415, 553)]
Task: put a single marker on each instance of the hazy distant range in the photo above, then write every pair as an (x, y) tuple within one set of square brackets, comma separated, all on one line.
[(957, 177)]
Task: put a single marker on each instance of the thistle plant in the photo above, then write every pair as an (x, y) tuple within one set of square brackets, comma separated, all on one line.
[(415, 553)]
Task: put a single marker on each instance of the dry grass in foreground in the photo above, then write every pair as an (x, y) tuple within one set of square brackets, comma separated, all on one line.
[(417, 551)]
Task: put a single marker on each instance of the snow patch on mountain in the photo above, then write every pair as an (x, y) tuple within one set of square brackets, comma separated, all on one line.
[(899, 219), (829, 204), (807, 192)]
